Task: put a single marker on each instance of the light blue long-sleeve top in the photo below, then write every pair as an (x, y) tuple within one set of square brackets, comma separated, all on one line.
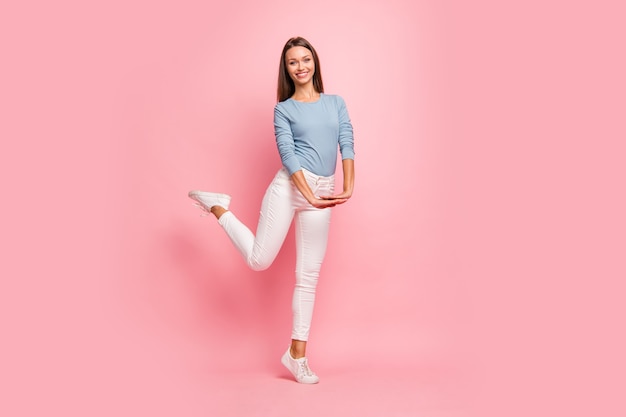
[(308, 134)]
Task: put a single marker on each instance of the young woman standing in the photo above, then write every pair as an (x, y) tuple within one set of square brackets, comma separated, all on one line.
[(310, 127)]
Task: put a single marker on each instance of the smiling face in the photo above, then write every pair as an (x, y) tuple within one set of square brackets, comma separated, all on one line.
[(299, 69), (300, 65)]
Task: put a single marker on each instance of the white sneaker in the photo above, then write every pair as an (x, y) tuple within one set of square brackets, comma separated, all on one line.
[(299, 368), (206, 200)]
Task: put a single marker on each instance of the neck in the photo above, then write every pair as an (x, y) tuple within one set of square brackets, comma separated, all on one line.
[(305, 92)]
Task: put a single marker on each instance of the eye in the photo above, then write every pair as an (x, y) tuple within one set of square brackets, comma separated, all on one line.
[(307, 59)]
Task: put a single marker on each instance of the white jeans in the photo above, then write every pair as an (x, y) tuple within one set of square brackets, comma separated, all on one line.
[(283, 202)]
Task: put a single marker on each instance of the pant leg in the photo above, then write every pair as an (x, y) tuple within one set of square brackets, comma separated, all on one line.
[(312, 226), (277, 211)]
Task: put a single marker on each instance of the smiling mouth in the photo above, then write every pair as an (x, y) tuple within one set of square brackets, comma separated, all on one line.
[(302, 74)]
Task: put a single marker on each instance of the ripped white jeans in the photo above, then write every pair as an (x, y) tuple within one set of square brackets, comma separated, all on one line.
[(281, 204)]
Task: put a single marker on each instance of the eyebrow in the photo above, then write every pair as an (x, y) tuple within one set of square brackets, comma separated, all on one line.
[(293, 59)]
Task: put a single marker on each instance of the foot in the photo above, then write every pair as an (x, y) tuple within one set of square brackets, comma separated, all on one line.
[(206, 200), (299, 368)]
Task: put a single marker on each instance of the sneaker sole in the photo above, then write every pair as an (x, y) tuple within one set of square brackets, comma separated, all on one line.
[(223, 199)]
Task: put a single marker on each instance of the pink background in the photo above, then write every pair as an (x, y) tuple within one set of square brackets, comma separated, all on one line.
[(478, 269)]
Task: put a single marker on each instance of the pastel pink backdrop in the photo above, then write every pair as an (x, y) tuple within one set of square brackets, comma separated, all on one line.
[(477, 269)]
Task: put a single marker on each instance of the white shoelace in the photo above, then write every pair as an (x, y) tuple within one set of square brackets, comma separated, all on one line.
[(205, 212), (304, 368)]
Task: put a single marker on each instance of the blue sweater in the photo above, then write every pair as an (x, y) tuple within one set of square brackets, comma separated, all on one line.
[(308, 134)]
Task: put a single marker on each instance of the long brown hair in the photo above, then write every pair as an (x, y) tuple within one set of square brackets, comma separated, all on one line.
[(286, 87)]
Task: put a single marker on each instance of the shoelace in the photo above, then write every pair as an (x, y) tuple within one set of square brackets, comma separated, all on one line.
[(205, 212), (304, 368)]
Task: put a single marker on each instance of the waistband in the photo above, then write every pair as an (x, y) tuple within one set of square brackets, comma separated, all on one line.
[(309, 175), (317, 179)]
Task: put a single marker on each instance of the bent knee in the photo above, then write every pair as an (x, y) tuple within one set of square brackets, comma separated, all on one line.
[(256, 265)]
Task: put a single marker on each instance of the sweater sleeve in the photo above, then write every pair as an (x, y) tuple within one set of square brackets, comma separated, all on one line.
[(285, 142), (346, 135)]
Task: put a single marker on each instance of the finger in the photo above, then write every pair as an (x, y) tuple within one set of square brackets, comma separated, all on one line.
[(335, 202)]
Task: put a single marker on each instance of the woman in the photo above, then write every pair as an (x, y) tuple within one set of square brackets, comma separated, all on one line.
[(309, 127)]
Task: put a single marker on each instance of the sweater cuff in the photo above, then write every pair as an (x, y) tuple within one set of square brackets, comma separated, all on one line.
[(292, 166)]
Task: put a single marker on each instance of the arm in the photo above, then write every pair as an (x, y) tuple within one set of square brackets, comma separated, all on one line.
[(348, 178), (285, 142), (346, 147), (348, 182)]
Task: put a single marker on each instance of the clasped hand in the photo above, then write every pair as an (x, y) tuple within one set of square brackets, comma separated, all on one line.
[(325, 201)]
